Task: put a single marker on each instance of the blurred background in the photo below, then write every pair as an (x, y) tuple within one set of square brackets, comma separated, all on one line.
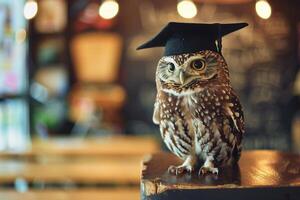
[(76, 98)]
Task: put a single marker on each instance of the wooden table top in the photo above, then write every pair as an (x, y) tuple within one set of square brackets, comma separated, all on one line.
[(257, 169), (73, 194)]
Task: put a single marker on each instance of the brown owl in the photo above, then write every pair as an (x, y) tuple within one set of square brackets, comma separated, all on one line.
[(200, 117)]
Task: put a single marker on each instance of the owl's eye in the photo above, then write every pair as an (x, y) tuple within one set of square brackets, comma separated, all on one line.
[(198, 64), (171, 67)]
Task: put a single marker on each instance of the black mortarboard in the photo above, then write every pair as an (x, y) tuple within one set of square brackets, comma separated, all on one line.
[(178, 38)]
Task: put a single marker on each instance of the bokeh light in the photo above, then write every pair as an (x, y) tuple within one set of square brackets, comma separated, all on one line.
[(263, 9), (30, 9), (187, 9), (21, 36), (109, 9)]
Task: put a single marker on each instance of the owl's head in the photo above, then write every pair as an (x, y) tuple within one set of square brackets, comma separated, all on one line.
[(187, 73)]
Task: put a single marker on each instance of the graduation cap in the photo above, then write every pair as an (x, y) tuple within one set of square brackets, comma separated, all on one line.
[(179, 38)]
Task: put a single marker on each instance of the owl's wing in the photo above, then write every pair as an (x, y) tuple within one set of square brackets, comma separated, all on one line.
[(234, 113), (156, 112), (233, 126), (230, 120)]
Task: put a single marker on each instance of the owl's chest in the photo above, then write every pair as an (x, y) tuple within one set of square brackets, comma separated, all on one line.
[(189, 107), (191, 114), (188, 121), (174, 108)]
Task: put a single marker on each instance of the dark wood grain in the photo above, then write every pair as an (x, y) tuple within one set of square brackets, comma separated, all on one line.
[(259, 173)]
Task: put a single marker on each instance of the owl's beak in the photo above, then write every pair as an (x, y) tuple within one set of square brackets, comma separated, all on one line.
[(182, 77)]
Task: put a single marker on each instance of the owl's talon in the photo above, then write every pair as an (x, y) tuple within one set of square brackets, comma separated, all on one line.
[(180, 169), (206, 170), (172, 169)]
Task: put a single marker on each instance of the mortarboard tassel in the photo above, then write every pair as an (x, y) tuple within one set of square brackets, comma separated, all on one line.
[(219, 39)]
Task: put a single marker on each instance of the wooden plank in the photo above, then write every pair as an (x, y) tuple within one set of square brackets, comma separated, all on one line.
[(260, 175), (73, 194), (94, 170), (109, 146), (107, 160)]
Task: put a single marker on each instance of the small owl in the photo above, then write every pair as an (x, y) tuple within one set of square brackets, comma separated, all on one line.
[(199, 115)]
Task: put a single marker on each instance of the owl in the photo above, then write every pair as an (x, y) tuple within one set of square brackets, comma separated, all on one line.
[(199, 114)]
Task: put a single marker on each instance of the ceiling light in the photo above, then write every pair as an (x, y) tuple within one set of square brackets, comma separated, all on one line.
[(30, 9), (187, 9), (263, 9), (109, 9)]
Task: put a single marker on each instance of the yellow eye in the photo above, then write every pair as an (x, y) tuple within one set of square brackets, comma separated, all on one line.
[(198, 64)]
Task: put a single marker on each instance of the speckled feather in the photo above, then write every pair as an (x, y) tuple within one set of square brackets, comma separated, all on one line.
[(202, 119)]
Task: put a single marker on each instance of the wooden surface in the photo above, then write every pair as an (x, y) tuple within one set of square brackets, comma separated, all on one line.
[(111, 160), (108, 146), (86, 171), (73, 194), (260, 174), (73, 169)]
